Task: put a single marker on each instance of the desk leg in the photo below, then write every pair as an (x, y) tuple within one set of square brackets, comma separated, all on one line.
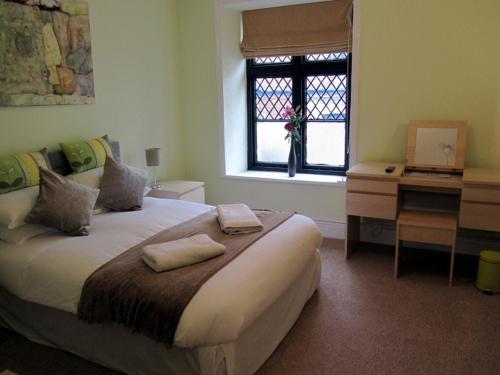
[(352, 233), (452, 261)]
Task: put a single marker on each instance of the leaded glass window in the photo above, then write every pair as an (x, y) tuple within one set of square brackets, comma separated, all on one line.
[(327, 56), (319, 84), (273, 60)]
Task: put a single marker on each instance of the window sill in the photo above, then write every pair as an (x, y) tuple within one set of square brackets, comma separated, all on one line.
[(282, 177)]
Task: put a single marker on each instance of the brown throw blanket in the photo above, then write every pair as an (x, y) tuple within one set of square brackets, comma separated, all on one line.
[(126, 291)]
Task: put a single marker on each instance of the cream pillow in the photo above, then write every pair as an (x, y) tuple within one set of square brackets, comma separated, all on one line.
[(16, 205), (20, 235), (92, 178)]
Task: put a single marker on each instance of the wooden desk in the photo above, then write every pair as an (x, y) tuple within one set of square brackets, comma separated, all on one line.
[(373, 193), (480, 207)]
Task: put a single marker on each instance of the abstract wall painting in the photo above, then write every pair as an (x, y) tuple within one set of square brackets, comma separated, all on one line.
[(45, 53)]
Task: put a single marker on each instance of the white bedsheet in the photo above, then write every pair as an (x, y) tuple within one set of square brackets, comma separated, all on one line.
[(51, 269)]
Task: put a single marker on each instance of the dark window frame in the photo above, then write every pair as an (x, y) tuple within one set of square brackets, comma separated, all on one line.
[(298, 69)]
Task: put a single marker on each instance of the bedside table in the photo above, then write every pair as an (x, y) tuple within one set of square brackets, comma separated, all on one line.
[(193, 191)]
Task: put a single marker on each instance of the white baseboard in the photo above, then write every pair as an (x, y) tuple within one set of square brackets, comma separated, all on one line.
[(331, 228), (374, 231)]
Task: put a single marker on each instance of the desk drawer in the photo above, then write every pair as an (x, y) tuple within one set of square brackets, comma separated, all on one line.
[(426, 235), (480, 216), (372, 186), (482, 194), (372, 205)]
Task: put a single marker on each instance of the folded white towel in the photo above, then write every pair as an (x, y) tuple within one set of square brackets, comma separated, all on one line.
[(179, 253), (238, 219)]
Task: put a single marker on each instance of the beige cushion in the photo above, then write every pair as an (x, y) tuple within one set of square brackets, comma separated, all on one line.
[(63, 205), (14, 206), (122, 187), (23, 233), (92, 178)]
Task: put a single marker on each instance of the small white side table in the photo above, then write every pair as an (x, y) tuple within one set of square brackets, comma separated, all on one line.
[(193, 191)]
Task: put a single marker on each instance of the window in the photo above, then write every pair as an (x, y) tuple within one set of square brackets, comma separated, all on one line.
[(320, 85)]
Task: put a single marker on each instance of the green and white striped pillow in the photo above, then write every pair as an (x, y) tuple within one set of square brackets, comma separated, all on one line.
[(86, 155)]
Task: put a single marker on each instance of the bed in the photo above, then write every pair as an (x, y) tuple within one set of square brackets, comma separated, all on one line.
[(231, 326)]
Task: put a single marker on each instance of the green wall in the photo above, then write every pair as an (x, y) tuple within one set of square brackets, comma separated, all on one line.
[(429, 59), (135, 64), (201, 125), (421, 59), (156, 85)]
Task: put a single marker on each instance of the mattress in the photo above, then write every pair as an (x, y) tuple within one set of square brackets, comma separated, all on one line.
[(117, 348), (50, 270)]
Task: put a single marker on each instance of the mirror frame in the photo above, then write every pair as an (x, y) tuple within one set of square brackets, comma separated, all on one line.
[(413, 127)]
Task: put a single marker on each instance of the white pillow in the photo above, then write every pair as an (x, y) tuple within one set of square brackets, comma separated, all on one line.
[(23, 233), (144, 173), (92, 178), (14, 206)]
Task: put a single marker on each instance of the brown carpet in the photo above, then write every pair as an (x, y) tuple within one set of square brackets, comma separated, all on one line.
[(361, 321)]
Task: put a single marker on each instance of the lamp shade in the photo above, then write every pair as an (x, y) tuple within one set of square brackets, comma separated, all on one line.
[(153, 157)]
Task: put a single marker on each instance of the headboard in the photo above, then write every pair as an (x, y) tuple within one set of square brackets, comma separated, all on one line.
[(60, 163)]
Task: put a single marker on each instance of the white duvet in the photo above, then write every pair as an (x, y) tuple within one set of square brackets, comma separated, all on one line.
[(51, 269)]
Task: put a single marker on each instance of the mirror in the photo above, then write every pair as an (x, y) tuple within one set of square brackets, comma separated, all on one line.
[(436, 145)]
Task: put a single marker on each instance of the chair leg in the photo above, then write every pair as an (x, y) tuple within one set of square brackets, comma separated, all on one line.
[(452, 263), (396, 257)]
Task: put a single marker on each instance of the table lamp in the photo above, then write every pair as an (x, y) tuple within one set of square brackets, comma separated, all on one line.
[(153, 160)]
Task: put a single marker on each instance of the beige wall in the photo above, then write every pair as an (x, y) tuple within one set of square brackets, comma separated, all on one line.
[(136, 89), (421, 59)]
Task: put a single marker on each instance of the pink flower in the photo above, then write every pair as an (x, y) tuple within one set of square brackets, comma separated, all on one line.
[(289, 111), (289, 127)]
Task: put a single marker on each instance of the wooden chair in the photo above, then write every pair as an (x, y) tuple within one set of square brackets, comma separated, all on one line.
[(427, 227)]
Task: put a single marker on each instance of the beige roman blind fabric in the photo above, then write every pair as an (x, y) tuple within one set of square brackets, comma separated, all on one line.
[(297, 29)]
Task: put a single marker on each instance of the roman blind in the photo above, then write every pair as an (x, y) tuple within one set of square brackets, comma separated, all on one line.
[(297, 30)]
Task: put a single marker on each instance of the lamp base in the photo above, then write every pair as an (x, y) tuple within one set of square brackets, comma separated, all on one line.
[(155, 186)]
